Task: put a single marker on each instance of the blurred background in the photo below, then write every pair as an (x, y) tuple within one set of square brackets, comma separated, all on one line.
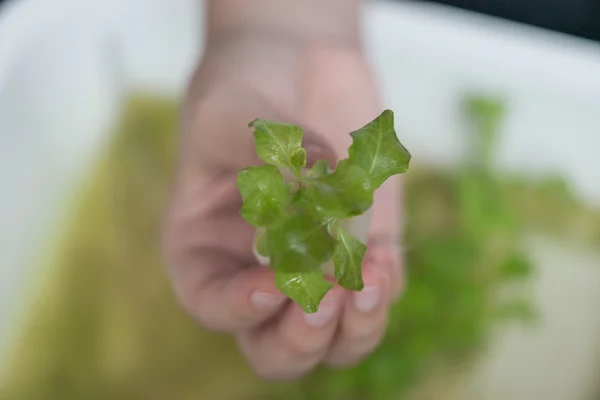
[(499, 102)]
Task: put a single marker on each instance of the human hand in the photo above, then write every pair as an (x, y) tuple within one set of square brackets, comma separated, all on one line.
[(329, 91)]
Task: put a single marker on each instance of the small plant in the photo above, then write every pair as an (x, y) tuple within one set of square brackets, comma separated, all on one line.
[(131, 340), (298, 219), (466, 269)]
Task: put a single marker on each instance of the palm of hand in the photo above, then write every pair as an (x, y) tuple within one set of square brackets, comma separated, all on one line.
[(208, 246)]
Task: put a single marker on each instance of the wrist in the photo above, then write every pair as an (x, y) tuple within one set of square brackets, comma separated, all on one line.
[(327, 22)]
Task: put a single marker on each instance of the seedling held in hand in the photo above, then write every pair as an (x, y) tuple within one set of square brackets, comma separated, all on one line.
[(298, 222)]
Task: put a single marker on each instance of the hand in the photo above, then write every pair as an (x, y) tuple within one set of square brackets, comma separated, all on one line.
[(329, 91)]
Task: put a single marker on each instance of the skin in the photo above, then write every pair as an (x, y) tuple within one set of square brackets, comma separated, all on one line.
[(263, 61)]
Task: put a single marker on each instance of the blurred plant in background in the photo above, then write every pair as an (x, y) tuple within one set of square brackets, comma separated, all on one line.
[(105, 325), (464, 250)]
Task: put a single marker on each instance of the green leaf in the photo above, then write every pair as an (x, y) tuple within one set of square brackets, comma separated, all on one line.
[(264, 193), (376, 149), (486, 112), (346, 192), (279, 144), (321, 168), (300, 242), (306, 288), (297, 209), (302, 202), (347, 260), (485, 107), (516, 266)]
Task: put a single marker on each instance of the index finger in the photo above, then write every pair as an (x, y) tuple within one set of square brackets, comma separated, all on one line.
[(385, 231), (221, 136), (214, 290), (207, 251)]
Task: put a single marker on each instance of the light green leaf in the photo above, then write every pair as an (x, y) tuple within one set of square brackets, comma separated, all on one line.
[(486, 112), (321, 168), (347, 260), (302, 202), (346, 192), (516, 266), (485, 107), (300, 242), (279, 144), (376, 149), (297, 209), (264, 193), (305, 288)]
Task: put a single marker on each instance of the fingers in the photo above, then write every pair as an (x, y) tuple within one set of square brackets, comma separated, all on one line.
[(364, 319), (295, 343), (386, 256), (208, 251), (224, 298), (202, 212), (317, 148), (348, 326), (213, 124), (217, 132), (385, 231), (207, 243), (387, 212)]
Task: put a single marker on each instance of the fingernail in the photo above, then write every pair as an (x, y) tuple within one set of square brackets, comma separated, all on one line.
[(322, 317), (367, 299), (315, 152), (312, 148), (266, 301)]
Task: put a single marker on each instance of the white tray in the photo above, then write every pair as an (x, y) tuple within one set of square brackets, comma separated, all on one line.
[(59, 80)]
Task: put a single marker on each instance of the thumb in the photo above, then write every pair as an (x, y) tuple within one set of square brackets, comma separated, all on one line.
[(318, 148), (385, 231), (216, 131)]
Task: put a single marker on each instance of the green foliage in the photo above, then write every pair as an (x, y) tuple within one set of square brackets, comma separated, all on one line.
[(347, 259), (301, 218), (377, 151), (321, 168), (265, 194), (105, 323), (343, 193), (485, 114), (306, 287), (464, 245), (299, 243), (279, 144)]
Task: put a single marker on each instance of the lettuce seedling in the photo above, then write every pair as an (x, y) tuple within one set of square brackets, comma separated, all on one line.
[(298, 219)]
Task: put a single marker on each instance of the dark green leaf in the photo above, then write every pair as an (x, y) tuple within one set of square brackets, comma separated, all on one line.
[(321, 168), (264, 193), (279, 144), (377, 150), (300, 242), (346, 192), (306, 288), (516, 266), (347, 260)]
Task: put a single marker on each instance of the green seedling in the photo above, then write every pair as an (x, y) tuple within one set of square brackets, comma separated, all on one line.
[(298, 219)]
